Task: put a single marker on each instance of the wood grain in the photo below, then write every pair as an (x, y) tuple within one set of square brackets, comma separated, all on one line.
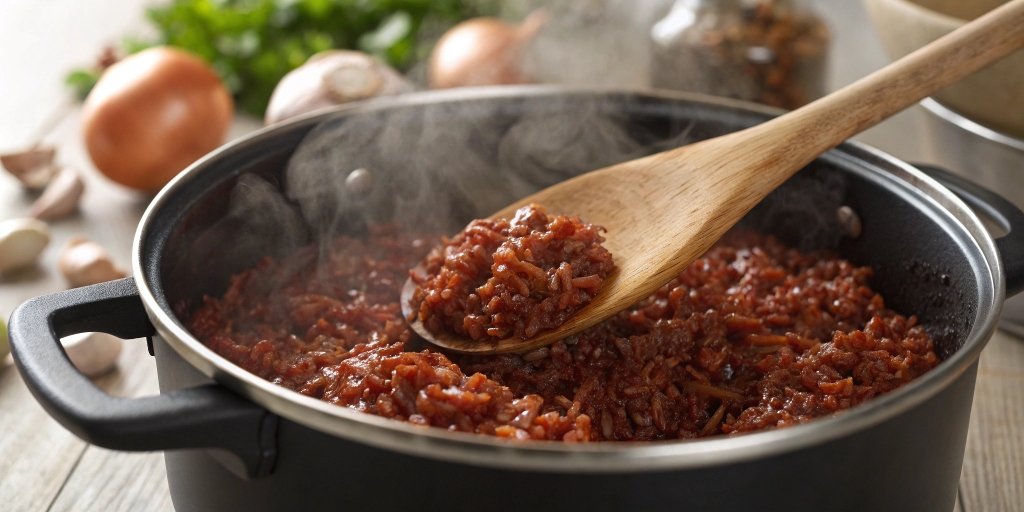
[(993, 474), (36, 454), (105, 480)]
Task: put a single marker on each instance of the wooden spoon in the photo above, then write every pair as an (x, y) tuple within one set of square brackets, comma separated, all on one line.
[(665, 210)]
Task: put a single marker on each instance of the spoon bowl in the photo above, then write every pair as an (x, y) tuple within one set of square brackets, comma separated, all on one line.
[(665, 210)]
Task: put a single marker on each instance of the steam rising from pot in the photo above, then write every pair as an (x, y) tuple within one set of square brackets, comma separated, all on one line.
[(439, 166), (433, 165)]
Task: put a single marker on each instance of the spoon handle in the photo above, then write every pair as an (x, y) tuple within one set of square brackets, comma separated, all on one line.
[(798, 137)]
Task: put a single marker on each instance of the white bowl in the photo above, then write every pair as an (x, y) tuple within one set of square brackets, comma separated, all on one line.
[(993, 96)]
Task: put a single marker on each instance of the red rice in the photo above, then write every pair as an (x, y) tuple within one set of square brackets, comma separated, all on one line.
[(511, 278), (686, 362)]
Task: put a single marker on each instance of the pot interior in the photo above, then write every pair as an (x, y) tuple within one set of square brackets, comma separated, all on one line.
[(438, 164)]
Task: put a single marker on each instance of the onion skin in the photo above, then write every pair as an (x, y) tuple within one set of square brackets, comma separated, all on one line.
[(152, 114), (483, 51)]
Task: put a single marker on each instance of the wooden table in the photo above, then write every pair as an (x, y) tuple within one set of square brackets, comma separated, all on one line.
[(43, 467)]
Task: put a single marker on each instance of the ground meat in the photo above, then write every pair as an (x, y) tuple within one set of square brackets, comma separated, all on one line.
[(753, 335), (511, 278)]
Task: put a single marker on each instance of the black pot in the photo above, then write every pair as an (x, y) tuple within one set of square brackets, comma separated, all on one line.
[(236, 442)]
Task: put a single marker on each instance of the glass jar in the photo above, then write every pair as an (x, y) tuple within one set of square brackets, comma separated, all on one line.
[(769, 51)]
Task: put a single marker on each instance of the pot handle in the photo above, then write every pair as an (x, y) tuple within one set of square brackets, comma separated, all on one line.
[(1000, 210), (201, 417)]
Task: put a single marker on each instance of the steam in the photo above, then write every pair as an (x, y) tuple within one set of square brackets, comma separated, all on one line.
[(438, 166), (259, 221)]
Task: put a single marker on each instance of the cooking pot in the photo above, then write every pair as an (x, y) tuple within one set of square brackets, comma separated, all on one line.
[(993, 159), (237, 442)]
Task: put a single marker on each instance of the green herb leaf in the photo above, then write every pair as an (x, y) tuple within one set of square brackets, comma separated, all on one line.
[(253, 43), (82, 81)]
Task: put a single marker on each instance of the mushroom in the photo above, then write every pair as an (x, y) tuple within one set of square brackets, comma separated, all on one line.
[(21, 243), (34, 167), (84, 262)]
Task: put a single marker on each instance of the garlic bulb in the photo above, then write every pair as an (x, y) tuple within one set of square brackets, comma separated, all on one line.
[(331, 78)]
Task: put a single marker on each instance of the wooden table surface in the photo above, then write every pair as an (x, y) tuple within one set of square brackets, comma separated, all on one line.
[(44, 467)]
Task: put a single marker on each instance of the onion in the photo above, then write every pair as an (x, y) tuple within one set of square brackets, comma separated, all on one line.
[(331, 78), (483, 51), (152, 114)]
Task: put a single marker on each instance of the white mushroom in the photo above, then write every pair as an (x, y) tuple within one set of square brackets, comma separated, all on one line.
[(84, 262), (93, 353), (21, 243)]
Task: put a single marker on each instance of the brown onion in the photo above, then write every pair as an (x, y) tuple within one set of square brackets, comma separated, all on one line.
[(483, 51), (152, 114)]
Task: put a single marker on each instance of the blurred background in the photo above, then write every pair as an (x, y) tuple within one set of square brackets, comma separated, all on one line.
[(717, 47), (782, 53)]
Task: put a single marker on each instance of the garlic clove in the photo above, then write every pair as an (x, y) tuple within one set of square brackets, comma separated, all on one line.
[(22, 241), (34, 167), (93, 353), (61, 196), (84, 262)]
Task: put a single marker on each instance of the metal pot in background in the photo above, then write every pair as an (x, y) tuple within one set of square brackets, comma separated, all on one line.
[(991, 158)]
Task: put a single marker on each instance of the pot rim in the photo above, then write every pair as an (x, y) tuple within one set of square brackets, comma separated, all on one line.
[(966, 124), (607, 457)]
